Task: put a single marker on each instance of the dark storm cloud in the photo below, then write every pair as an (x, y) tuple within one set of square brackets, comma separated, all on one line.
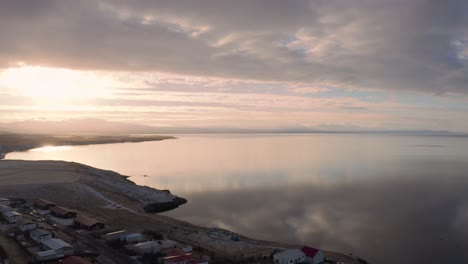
[(394, 45)]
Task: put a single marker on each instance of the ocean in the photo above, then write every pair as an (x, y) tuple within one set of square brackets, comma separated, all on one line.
[(386, 198)]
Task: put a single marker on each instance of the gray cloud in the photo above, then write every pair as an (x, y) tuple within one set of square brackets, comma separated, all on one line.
[(395, 45)]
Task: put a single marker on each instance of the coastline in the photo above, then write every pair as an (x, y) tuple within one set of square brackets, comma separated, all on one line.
[(10, 142), (115, 198)]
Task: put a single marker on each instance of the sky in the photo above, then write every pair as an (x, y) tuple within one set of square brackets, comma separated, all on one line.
[(334, 64)]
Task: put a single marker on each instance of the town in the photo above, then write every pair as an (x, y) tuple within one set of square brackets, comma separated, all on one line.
[(42, 231)]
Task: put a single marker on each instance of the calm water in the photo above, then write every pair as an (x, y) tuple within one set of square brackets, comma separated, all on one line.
[(389, 199)]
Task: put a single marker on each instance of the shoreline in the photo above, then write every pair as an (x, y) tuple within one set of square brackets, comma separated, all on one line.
[(121, 194), (10, 142)]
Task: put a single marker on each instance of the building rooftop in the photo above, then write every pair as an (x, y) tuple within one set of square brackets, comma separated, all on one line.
[(4, 208), (147, 244), (42, 202), (87, 221), (11, 213), (61, 210), (291, 253), (310, 252), (56, 244), (39, 232), (46, 253), (178, 259)]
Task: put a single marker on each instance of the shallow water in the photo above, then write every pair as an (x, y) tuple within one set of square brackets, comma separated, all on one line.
[(387, 198)]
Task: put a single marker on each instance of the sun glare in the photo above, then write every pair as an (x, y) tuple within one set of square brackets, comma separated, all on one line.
[(51, 148), (55, 83)]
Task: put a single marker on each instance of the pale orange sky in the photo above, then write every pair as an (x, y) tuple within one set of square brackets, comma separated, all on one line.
[(236, 64)]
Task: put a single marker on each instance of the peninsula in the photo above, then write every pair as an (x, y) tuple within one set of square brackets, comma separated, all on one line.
[(118, 203)]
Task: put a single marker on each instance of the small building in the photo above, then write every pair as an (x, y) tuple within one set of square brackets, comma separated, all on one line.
[(291, 256), (27, 226), (185, 248), (12, 216), (117, 235), (5, 201), (47, 255), (313, 255), (62, 212), (132, 238), (146, 247), (88, 223), (181, 259), (40, 235), (75, 260), (4, 208), (59, 246), (43, 204)]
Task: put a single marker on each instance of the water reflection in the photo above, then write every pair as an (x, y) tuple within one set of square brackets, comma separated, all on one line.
[(389, 199), (419, 217)]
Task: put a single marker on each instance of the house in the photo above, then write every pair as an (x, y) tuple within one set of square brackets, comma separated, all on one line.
[(40, 235), (5, 201), (27, 226), (313, 255), (43, 204), (133, 237), (146, 247), (292, 256), (4, 208), (88, 223), (59, 246), (115, 235), (11, 216), (62, 212), (75, 260), (174, 252), (46, 256), (181, 259)]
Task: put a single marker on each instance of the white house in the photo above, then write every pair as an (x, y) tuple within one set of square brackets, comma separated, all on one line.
[(46, 255), (27, 226), (292, 256), (313, 255), (115, 235), (133, 237), (146, 247), (4, 201), (11, 216), (59, 246), (40, 235), (4, 208)]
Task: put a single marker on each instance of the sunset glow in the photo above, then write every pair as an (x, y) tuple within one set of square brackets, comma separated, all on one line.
[(54, 83)]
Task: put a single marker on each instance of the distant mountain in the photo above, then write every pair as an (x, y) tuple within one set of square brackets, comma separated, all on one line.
[(103, 127), (75, 126)]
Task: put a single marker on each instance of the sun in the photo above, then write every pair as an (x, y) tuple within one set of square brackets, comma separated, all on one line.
[(55, 83)]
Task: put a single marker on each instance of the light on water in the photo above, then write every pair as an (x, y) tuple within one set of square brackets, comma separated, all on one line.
[(51, 149), (390, 199)]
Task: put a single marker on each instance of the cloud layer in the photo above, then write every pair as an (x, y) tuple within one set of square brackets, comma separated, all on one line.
[(393, 45)]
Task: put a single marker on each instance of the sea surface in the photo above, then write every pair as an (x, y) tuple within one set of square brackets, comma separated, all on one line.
[(386, 198)]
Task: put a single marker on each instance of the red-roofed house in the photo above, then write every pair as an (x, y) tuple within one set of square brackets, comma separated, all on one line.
[(62, 212), (75, 260), (313, 255), (182, 259), (88, 223), (43, 204)]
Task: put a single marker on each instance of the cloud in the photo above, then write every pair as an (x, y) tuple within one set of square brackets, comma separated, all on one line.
[(391, 45)]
